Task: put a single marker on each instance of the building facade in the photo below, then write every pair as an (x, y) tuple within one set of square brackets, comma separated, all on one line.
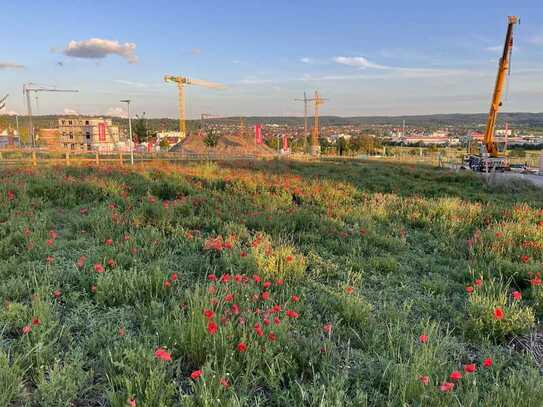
[(88, 134)]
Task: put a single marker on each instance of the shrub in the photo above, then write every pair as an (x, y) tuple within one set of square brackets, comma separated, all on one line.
[(492, 313)]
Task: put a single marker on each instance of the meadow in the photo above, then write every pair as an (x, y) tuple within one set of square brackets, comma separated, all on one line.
[(279, 283)]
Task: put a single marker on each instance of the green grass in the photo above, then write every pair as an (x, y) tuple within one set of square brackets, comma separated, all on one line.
[(365, 260)]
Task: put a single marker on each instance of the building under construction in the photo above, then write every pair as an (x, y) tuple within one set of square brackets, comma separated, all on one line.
[(88, 134)]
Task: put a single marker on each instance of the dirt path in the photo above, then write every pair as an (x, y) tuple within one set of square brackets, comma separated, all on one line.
[(536, 180)]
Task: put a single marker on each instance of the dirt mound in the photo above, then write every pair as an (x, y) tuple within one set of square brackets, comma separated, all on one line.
[(228, 144)]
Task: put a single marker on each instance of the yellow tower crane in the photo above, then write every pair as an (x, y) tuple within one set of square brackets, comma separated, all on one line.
[(315, 146), (181, 81)]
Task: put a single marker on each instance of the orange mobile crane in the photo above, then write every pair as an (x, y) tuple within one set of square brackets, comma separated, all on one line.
[(489, 157)]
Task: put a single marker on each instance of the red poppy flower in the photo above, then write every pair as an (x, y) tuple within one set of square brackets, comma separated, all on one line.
[(488, 362), (225, 278), (517, 295), (163, 354), (256, 279), (279, 282), (469, 289), (50, 242), (57, 293), (446, 387), (131, 402), (229, 297), (276, 321), (292, 314), (267, 285), (211, 289), (265, 295), (498, 313), (212, 328), (173, 277), (212, 277), (456, 375), (27, 329), (81, 262), (238, 278), (327, 328), (289, 259), (525, 259), (108, 242), (50, 259), (241, 347), (266, 321), (243, 254), (276, 309), (208, 313), (224, 381), (295, 298), (36, 321), (235, 309), (99, 268), (424, 379), (423, 338), (535, 281), (349, 290), (196, 374), (470, 368), (478, 282), (167, 284), (272, 337)]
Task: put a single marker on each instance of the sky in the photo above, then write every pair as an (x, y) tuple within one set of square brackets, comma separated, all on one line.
[(366, 58)]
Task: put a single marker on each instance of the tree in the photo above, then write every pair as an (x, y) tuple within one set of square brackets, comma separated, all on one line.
[(211, 139), (139, 128)]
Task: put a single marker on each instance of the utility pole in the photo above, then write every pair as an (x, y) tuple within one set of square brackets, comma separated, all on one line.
[(127, 101)]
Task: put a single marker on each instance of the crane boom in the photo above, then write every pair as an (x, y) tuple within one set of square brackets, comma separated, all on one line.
[(503, 68)]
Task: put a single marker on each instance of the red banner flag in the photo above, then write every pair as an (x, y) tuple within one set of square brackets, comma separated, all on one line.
[(101, 132), (258, 134), (285, 142)]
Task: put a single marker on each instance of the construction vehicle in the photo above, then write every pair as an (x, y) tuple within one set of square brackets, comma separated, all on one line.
[(32, 87), (489, 157), (181, 81)]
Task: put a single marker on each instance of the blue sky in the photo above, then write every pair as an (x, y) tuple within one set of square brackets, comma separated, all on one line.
[(368, 58)]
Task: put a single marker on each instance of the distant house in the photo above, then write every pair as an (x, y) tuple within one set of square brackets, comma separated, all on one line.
[(9, 138)]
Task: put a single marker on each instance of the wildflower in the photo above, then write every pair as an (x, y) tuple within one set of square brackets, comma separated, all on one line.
[(81, 262), (267, 285), (265, 295), (36, 321), (27, 329), (517, 296), (535, 281), (279, 282), (50, 242), (456, 375), (243, 254), (227, 245), (99, 268), (423, 338), (470, 368), (93, 289), (83, 211), (225, 278), (266, 321), (229, 297), (258, 330), (208, 313), (272, 337), (349, 290), (50, 259), (499, 234), (241, 347), (424, 380), (289, 258), (212, 277), (479, 282), (276, 309), (498, 313), (122, 331), (173, 277), (256, 279), (196, 374), (525, 259), (295, 298), (108, 242), (131, 402), (276, 321), (111, 263), (212, 328), (469, 289), (292, 314), (11, 196), (225, 383), (327, 328), (488, 362), (235, 309), (211, 289), (167, 284), (446, 387), (163, 354), (57, 293)]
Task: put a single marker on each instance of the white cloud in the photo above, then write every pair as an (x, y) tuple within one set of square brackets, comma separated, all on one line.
[(130, 83), (70, 112), (96, 48), (306, 60), (254, 81), (496, 48), (10, 65), (117, 112), (359, 62)]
